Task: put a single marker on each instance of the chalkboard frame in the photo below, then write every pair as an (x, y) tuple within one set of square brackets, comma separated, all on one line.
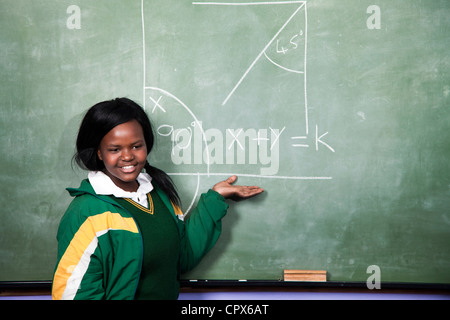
[(383, 197), (267, 284)]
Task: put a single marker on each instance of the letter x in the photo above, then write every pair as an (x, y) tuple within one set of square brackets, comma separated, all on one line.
[(235, 139), (157, 105)]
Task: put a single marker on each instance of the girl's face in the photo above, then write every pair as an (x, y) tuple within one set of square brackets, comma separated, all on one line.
[(124, 153)]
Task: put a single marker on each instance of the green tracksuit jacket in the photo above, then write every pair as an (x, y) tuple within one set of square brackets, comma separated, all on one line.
[(100, 249)]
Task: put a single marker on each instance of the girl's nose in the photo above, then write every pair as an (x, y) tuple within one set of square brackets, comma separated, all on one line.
[(127, 155)]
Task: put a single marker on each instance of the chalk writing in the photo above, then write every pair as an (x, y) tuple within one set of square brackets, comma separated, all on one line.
[(256, 149)]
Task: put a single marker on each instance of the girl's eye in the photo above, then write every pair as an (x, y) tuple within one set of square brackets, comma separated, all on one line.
[(113, 150), (137, 147)]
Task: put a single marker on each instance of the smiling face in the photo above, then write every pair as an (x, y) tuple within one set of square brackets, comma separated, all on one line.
[(124, 153)]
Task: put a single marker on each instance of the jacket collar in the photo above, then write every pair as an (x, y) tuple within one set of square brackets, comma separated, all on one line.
[(86, 188), (103, 185)]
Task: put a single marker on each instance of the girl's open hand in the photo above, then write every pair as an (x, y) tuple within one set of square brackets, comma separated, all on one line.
[(235, 192)]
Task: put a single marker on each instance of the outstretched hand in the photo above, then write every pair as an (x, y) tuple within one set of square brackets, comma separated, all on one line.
[(235, 192)]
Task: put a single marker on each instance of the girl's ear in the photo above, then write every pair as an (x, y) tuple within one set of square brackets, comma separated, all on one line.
[(99, 154)]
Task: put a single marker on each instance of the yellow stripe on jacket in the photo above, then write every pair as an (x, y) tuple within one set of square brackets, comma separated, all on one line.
[(75, 261)]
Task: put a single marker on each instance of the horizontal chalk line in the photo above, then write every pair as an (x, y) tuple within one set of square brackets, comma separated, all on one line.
[(245, 3), (249, 175)]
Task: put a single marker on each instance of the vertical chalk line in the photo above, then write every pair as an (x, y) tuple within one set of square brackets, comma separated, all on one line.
[(304, 71), (143, 53)]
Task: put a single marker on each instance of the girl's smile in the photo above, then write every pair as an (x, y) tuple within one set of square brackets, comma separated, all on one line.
[(124, 154)]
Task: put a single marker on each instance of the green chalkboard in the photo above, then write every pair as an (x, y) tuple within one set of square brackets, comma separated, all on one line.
[(340, 110)]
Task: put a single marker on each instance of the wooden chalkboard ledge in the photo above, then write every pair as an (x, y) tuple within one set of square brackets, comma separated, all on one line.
[(25, 288), (299, 286), (30, 288)]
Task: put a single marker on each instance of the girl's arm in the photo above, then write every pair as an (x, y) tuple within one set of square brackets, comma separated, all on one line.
[(204, 225), (201, 229), (78, 260)]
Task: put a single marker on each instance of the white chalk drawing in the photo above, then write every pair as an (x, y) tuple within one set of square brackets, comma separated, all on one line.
[(192, 144), (302, 5)]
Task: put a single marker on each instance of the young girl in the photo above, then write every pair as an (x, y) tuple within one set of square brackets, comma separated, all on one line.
[(123, 236)]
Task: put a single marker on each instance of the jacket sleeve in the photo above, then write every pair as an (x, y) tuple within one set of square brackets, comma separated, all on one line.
[(78, 273), (202, 229)]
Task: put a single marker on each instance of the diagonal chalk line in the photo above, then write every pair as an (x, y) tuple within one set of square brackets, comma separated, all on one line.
[(261, 53)]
